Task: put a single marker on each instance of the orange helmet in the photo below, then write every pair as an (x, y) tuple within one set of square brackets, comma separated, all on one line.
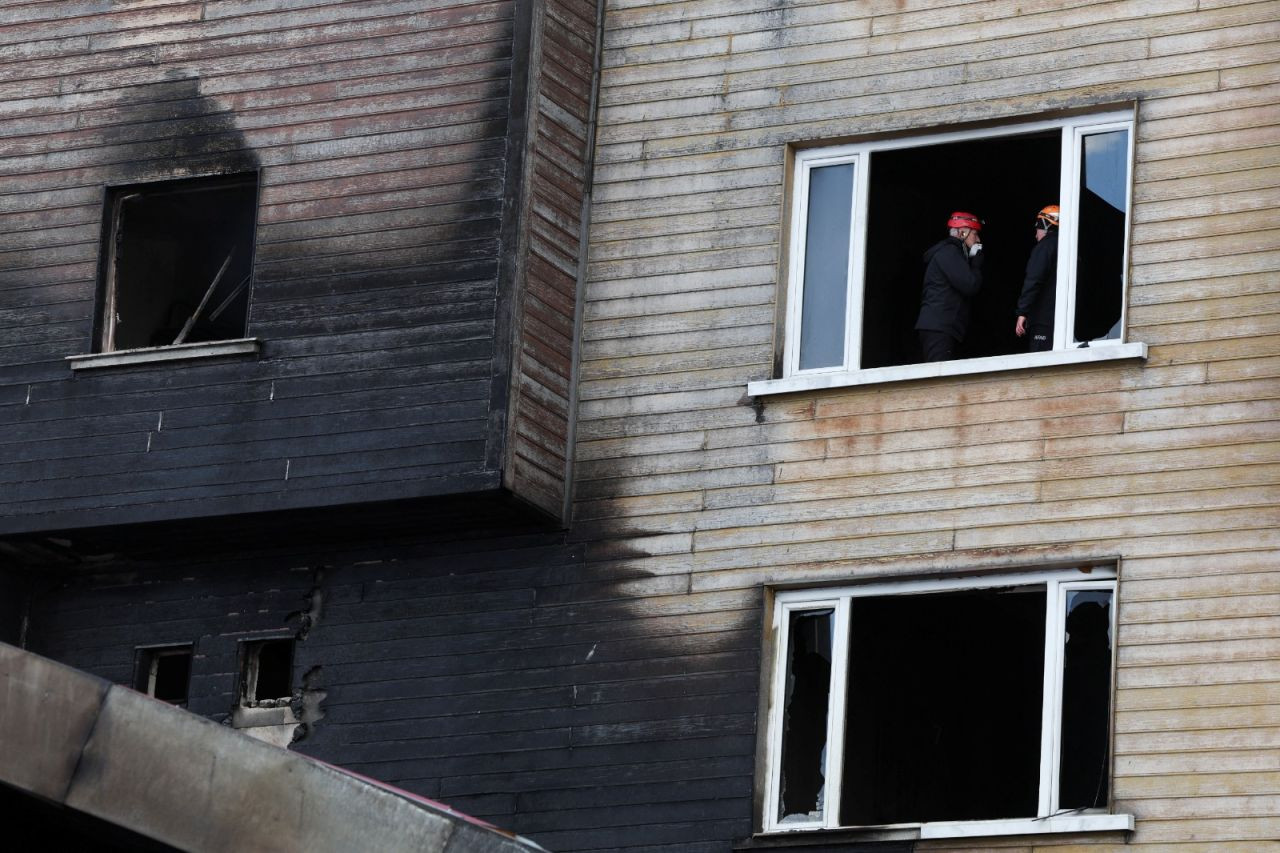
[(960, 219), (1047, 217)]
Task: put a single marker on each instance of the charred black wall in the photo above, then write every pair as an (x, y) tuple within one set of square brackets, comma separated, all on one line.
[(13, 602), (389, 166), (517, 678)]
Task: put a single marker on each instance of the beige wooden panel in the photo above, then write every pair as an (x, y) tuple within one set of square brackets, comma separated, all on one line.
[(1172, 466), (1198, 696)]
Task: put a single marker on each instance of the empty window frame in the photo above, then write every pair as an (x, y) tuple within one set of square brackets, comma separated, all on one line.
[(179, 262), (941, 701), (266, 673), (164, 672), (864, 214)]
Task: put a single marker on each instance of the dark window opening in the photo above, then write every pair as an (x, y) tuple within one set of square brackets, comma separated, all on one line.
[(164, 673), (1086, 700), (804, 738), (943, 716), (180, 262), (1005, 181), (267, 674)]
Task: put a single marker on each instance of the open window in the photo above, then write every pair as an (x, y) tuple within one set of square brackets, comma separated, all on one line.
[(864, 214), (164, 672), (266, 677), (953, 707), (179, 262)]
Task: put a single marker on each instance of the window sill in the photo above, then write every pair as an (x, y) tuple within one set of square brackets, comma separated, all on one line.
[(152, 355), (960, 367), (1058, 824), (1063, 824)]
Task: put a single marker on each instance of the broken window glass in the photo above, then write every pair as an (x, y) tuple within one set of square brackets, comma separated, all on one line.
[(1086, 700), (164, 673), (804, 739), (180, 262), (951, 700), (267, 676), (1104, 190)]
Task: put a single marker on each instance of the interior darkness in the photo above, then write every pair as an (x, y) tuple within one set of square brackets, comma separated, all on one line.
[(171, 241), (173, 673), (804, 735), (274, 679), (943, 717), (1086, 701), (32, 823), (1004, 181)]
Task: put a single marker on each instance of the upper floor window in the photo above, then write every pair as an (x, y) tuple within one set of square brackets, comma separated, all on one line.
[(864, 216), (976, 706), (179, 262)]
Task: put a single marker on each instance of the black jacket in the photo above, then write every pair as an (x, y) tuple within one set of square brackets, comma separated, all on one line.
[(1041, 284), (951, 278)]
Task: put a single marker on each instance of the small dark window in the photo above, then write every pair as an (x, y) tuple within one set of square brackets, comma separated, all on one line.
[(179, 262), (267, 675), (164, 673)]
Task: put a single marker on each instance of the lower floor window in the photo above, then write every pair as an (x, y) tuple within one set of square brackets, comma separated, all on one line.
[(956, 700)]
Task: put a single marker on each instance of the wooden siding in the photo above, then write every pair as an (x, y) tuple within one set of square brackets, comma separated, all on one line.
[(518, 678), (1169, 466), (563, 54), (381, 132)]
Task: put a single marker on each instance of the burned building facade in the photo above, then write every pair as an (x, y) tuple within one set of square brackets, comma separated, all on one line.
[(520, 403)]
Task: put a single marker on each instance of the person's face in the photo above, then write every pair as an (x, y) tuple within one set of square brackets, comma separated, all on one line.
[(971, 237), (1040, 232)]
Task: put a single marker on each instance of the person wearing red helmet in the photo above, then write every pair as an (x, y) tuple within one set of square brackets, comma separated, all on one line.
[(1039, 287), (952, 277)]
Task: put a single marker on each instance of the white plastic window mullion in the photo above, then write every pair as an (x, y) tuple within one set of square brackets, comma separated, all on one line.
[(1051, 704), (854, 299), (1128, 228), (777, 709), (836, 714), (782, 649), (795, 290), (1068, 229)]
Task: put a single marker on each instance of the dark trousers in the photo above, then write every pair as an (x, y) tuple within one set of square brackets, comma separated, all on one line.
[(1039, 337), (937, 346)]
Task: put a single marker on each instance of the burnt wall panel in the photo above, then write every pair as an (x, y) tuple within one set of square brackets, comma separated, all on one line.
[(559, 154), (542, 684), (379, 133)]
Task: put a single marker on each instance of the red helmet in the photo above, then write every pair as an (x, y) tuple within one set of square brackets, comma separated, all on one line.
[(960, 219)]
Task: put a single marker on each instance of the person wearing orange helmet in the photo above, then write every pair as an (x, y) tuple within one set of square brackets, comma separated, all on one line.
[(1040, 285), (952, 277)]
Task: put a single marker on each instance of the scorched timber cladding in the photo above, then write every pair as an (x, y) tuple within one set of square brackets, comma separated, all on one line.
[(384, 319)]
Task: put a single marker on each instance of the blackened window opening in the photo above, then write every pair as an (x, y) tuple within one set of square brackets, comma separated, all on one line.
[(805, 704), (164, 673), (1005, 181), (268, 671), (181, 262), (1086, 700), (943, 716)]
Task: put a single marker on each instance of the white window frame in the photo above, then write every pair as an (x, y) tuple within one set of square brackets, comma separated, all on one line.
[(1057, 584), (849, 372)]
